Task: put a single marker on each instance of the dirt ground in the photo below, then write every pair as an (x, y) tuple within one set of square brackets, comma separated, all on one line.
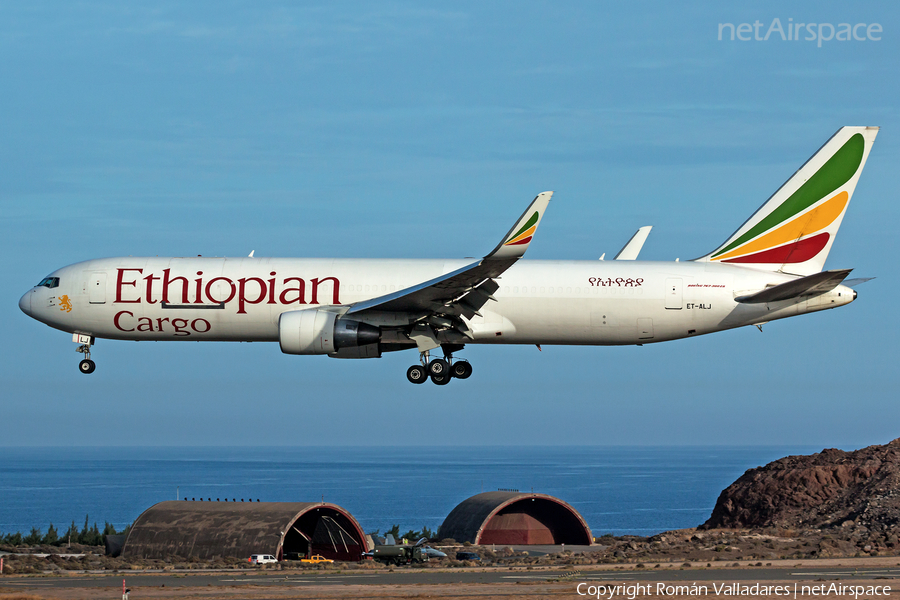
[(559, 583), (673, 554), (464, 592), (693, 546), (473, 591)]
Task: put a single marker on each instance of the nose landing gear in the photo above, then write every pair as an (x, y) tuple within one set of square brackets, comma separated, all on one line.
[(86, 366)]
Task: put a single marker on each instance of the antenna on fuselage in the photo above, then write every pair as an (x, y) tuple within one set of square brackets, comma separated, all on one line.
[(251, 254)]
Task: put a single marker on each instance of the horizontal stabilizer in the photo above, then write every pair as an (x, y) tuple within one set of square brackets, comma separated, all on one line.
[(634, 245), (811, 285), (855, 282)]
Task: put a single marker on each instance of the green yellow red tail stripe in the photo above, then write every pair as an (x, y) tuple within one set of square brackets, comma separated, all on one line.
[(798, 223), (810, 222)]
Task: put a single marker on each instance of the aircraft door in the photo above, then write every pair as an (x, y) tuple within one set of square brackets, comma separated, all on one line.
[(673, 293), (645, 329), (97, 288)]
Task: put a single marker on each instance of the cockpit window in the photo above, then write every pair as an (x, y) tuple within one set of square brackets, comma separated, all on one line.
[(49, 282)]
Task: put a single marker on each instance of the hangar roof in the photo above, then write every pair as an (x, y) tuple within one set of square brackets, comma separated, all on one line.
[(515, 518), (239, 529)]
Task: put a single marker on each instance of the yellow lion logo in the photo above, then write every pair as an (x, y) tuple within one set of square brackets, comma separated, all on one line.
[(65, 304)]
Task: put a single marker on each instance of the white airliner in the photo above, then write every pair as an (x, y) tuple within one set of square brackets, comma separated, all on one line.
[(770, 268)]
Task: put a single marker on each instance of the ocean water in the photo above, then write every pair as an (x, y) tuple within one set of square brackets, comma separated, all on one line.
[(619, 490)]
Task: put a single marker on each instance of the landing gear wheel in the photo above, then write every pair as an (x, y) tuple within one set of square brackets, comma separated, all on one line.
[(440, 379), (416, 374), (461, 370), (87, 366), (439, 367)]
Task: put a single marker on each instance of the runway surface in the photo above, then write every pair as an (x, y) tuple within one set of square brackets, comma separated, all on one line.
[(449, 577)]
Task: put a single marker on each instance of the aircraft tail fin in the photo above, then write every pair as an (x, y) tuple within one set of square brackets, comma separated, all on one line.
[(794, 229)]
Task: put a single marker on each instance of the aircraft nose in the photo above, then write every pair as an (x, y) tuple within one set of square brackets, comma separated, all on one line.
[(25, 303)]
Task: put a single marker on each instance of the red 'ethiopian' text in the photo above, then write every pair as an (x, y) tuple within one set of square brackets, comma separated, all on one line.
[(181, 291)]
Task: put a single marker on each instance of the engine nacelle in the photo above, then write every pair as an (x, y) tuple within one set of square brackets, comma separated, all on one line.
[(317, 331)]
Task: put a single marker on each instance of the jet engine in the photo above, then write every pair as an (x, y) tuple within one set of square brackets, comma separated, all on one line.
[(318, 331)]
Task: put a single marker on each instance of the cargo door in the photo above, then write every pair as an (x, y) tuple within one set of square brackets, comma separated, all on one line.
[(645, 329), (673, 293), (97, 288)]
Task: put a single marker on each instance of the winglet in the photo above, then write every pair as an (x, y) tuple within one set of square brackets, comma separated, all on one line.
[(517, 240), (632, 249)]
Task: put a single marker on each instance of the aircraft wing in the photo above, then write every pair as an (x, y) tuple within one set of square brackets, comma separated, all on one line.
[(819, 283), (464, 291)]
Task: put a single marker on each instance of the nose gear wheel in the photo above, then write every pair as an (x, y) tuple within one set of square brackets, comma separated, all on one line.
[(86, 366)]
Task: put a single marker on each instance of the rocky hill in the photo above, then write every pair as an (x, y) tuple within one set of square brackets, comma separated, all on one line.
[(859, 490)]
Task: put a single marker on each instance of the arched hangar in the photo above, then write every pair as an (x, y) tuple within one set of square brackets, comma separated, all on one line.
[(204, 530), (515, 518)]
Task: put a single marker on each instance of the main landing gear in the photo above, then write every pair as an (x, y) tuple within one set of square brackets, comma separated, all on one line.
[(439, 370), (86, 366)]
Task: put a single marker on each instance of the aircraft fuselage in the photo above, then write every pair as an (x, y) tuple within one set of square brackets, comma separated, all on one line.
[(538, 302)]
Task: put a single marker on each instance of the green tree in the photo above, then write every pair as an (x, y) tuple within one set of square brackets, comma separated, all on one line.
[(394, 531), (14, 539), (85, 531), (109, 529), (72, 533), (95, 538), (412, 535), (52, 537), (34, 538)]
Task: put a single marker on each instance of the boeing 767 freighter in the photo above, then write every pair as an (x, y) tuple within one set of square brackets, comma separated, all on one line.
[(770, 268)]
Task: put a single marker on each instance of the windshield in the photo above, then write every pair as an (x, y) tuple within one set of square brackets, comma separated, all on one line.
[(49, 282)]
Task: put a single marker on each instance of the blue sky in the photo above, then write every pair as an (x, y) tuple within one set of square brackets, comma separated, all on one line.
[(404, 129)]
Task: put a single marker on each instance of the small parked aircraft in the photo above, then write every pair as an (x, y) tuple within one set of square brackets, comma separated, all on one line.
[(387, 550), (770, 268)]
